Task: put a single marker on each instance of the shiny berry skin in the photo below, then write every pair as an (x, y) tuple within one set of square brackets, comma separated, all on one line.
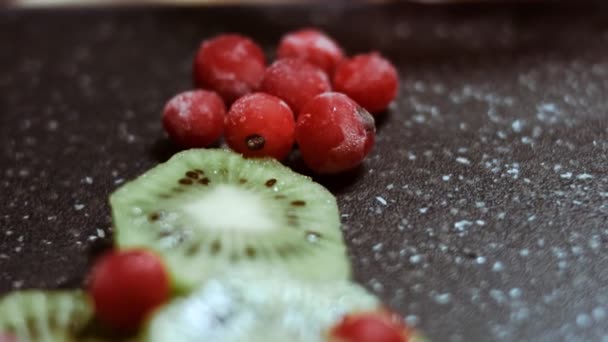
[(370, 327), (334, 133), (230, 64), (194, 118), (295, 81), (126, 286), (260, 125), (313, 46), (369, 79)]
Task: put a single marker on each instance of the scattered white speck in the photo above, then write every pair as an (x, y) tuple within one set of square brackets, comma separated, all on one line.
[(480, 204), (566, 175), (414, 259), (480, 222), (524, 252), (390, 186), (462, 225), (88, 180), (423, 210), (412, 320), (411, 156), (501, 216), (17, 284), (480, 260), (51, 218), (381, 200), (583, 320), (446, 178), (78, 206), (515, 292), (498, 295), (101, 233), (119, 181), (517, 126), (443, 298), (532, 218), (52, 125), (376, 285), (377, 247), (463, 160), (584, 176), (598, 313), (557, 167), (498, 266)]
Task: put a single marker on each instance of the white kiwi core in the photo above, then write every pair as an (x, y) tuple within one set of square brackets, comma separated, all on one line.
[(229, 208)]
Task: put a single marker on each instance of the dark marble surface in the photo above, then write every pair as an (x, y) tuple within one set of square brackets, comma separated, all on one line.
[(482, 213)]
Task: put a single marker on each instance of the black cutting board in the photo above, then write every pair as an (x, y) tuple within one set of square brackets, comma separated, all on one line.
[(482, 213)]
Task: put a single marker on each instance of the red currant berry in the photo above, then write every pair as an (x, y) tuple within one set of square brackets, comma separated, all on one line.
[(260, 125), (230, 64), (313, 46), (295, 81), (370, 327), (334, 133), (126, 286), (194, 118), (369, 79)]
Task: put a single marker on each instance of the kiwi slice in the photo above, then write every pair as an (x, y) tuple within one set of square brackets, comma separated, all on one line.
[(33, 315), (206, 210), (258, 308)]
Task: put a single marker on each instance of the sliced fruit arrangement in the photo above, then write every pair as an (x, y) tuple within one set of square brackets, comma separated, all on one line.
[(205, 210), (43, 316), (218, 246)]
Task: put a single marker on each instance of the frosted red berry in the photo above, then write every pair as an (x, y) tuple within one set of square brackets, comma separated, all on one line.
[(194, 118), (313, 46), (126, 286), (370, 327), (369, 79), (334, 133), (260, 125), (230, 64), (295, 81)]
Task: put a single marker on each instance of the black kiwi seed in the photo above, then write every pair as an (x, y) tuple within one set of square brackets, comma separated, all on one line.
[(192, 250), (216, 247), (153, 217), (242, 181), (199, 171), (255, 142), (192, 174), (185, 181), (298, 203), (204, 181), (250, 252), (271, 182), (164, 234)]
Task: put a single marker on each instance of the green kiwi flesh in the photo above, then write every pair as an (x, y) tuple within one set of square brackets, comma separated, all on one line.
[(257, 308), (44, 316), (206, 210)]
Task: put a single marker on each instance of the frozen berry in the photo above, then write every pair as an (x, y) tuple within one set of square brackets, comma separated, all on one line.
[(295, 81), (369, 79), (260, 125), (334, 133), (126, 286), (370, 327), (313, 46), (194, 118), (230, 64)]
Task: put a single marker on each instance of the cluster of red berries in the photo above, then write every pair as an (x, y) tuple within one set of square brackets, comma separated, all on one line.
[(311, 95)]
